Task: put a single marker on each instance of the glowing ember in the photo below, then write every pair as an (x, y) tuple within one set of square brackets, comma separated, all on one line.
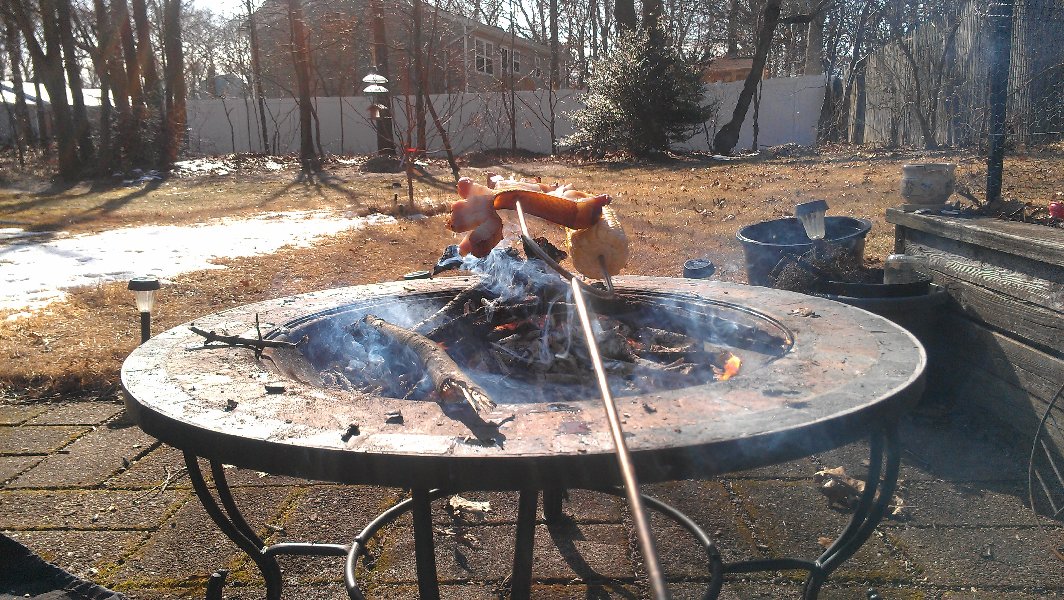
[(731, 368)]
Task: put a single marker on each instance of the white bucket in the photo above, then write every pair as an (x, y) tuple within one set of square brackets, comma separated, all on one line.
[(927, 184)]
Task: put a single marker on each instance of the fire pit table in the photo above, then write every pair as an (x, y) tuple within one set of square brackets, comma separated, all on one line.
[(815, 375)]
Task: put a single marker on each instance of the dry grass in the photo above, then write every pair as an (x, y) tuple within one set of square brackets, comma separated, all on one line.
[(672, 211)]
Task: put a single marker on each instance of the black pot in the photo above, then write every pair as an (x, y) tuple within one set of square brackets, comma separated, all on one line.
[(766, 243), (920, 287)]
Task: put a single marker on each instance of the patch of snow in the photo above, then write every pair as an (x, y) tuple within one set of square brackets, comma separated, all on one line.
[(34, 271), (203, 165), (140, 177), (273, 166)]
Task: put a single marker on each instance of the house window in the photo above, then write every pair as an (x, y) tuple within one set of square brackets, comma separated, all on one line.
[(517, 61), (485, 53), (536, 70), (505, 59)]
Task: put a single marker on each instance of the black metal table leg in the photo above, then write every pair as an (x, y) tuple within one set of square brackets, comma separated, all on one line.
[(424, 546), (885, 457), (233, 525), (885, 461), (524, 544), (552, 504)]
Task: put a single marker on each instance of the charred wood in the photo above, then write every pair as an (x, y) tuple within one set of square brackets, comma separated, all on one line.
[(450, 383)]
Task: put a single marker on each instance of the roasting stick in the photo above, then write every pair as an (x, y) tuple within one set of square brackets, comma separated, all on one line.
[(624, 459), (530, 244), (606, 274)]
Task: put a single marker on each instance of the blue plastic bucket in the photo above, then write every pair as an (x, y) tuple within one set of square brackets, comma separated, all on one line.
[(767, 242)]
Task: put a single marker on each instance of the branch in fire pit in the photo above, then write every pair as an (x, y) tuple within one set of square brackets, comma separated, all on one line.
[(234, 340), (445, 374)]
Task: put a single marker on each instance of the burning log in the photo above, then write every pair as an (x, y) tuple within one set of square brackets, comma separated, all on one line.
[(447, 377)]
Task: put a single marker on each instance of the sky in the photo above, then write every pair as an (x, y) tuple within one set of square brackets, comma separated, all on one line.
[(224, 7)]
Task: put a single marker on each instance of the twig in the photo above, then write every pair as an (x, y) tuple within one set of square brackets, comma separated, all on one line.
[(161, 487), (234, 340)]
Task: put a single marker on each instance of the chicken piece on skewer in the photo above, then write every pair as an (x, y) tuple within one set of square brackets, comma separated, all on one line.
[(605, 239)]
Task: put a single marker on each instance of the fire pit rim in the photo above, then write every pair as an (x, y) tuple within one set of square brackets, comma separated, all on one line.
[(760, 439)]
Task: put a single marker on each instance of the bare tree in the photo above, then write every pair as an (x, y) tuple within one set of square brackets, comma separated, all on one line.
[(72, 62), (624, 14), (552, 85), (385, 138), (927, 75), (309, 160), (728, 136), (417, 44), (48, 65), (23, 129), (256, 73), (176, 90)]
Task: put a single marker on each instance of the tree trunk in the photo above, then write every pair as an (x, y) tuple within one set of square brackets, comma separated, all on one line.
[(855, 71), (446, 139), (301, 61), (814, 44), (145, 55), (652, 12), (80, 117), (175, 81), (24, 129), (129, 52), (733, 28), (128, 135), (555, 72), (624, 15), (385, 137), (419, 91), (256, 74), (728, 136), (101, 62), (146, 59), (48, 64)]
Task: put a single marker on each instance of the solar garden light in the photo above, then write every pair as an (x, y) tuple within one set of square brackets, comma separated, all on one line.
[(144, 289)]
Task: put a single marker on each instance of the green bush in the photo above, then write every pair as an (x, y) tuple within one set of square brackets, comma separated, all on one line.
[(641, 98)]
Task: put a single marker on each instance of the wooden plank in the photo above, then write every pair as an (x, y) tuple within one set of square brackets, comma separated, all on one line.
[(976, 347), (1008, 405), (1025, 321), (1036, 242), (982, 379), (1024, 279)]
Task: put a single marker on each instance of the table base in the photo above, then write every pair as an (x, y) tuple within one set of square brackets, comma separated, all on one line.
[(885, 459)]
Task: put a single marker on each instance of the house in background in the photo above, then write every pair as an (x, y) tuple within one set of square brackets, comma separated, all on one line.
[(727, 69), (459, 54), (8, 95)]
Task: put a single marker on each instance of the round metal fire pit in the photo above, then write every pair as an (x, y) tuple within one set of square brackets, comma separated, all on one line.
[(842, 373)]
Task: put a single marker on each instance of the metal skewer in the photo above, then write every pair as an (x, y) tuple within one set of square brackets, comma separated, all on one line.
[(624, 459), (606, 274), (531, 245)]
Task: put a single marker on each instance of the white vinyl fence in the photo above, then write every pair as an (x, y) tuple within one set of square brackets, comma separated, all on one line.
[(790, 108)]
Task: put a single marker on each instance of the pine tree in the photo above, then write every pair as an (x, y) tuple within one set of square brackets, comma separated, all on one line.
[(641, 99)]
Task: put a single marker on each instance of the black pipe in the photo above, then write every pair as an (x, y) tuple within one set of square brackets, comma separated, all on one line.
[(999, 17), (145, 326)]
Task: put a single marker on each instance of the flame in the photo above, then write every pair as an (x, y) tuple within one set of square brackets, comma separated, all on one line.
[(731, 368)]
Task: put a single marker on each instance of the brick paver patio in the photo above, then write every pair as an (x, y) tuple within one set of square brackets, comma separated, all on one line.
[(92, 493)]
